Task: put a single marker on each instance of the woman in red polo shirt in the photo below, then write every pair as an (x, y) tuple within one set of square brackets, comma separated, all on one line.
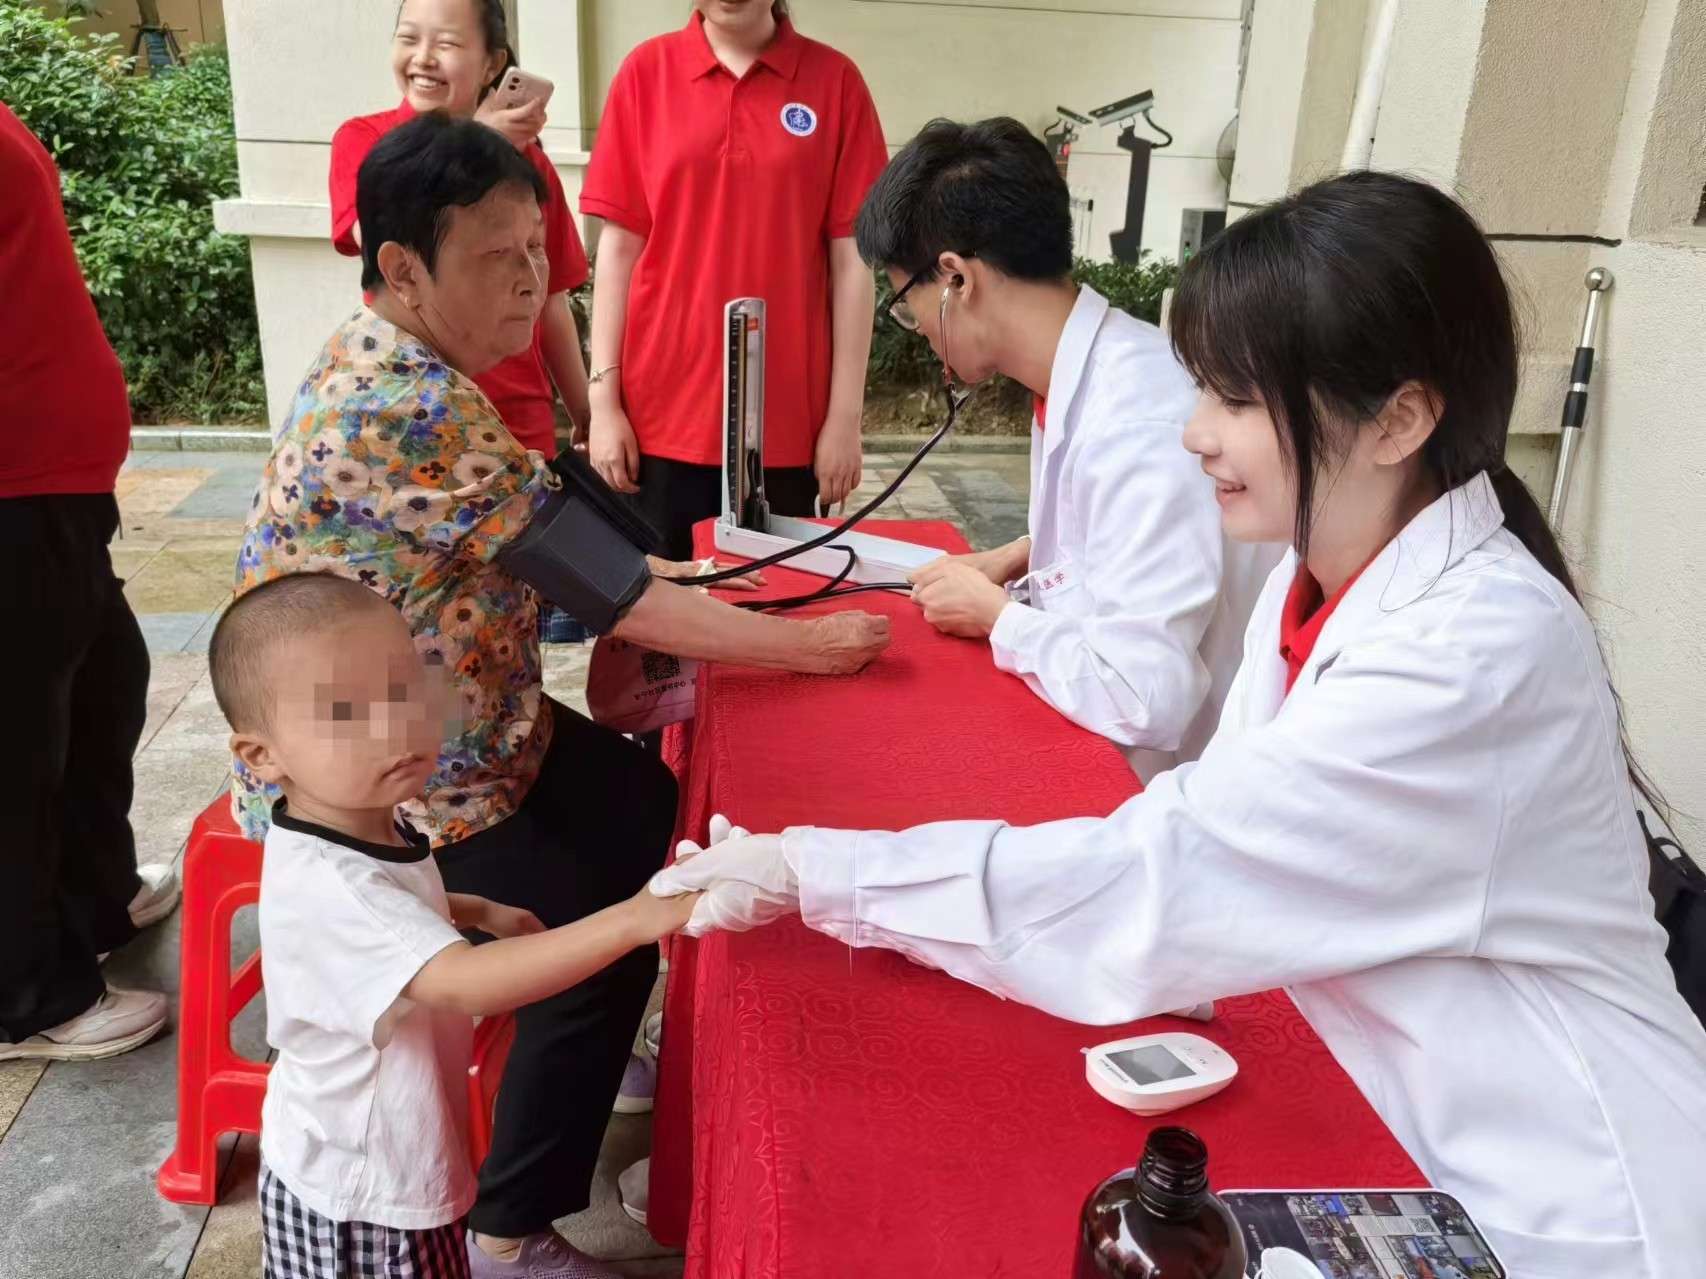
[(731, 159), (446, 55)]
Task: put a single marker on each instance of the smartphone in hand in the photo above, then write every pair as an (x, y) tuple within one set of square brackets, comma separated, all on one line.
[(518, 88)]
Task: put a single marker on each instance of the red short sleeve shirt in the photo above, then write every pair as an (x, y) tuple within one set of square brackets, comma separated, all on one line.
[(520, 388), (738, 187), (64, 408)]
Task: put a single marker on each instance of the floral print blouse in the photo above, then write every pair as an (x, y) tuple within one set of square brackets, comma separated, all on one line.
[(394, 469)]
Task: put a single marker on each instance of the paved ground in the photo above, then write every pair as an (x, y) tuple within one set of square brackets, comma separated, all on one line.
[(79, 1143)]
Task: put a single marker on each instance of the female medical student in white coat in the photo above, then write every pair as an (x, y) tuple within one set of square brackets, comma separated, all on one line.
[(1416, 813), (1123, 607)]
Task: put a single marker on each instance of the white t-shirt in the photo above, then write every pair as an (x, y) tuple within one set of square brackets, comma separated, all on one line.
[(366, 1116)]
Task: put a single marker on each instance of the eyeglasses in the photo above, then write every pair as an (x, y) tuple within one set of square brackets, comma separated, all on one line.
[(899, 309)]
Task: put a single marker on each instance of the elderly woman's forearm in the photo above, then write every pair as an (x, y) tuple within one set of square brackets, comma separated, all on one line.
[(689, 623)]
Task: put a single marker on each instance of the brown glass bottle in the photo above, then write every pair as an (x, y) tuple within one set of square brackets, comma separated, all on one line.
[(1158, 1220)]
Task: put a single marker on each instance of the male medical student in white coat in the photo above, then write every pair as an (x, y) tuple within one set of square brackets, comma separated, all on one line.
[(1416, 813), (1124, 607)]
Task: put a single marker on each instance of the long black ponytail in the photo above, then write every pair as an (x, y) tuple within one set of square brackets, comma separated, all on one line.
[(1322, 304), (494, 26)]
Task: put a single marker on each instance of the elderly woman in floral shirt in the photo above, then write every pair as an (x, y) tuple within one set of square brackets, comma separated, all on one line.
[(393, 468)]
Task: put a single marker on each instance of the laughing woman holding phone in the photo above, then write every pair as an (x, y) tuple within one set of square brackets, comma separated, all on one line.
[(449, 55)]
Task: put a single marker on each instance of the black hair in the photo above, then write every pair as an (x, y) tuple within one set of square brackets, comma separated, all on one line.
[(494, 30), (421, 170), (988, 190), (239, 657), (1322, 304)]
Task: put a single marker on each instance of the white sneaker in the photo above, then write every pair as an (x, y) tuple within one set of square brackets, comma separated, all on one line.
[(635, 1188), (119, 1021), (158, 896)]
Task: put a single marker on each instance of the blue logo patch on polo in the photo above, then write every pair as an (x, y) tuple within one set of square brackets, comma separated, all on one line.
[(799, 119)]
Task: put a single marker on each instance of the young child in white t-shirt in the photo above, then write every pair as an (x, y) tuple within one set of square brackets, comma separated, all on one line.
[(371, 989)]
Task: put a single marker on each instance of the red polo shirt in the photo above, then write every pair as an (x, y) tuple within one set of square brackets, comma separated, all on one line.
[(738, 186), (520, 388), (1304, 615), (64, 409)]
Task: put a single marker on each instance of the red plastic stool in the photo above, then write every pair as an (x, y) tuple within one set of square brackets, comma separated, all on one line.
[(492, 1040), (218, 1091)]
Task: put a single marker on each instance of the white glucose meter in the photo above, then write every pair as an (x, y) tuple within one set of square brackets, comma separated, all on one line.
[(1152, 1074)]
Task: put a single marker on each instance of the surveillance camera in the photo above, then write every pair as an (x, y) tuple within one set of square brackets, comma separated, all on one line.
[(1125, 107)]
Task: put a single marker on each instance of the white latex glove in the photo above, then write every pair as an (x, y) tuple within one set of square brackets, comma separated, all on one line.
[(746, 880)]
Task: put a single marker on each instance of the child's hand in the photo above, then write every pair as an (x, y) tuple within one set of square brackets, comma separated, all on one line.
[(468, 911), (509, 921), (657, 917)]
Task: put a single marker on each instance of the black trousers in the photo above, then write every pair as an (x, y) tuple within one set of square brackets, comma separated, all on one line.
[(674, 496), (76, 672), (592, 831)]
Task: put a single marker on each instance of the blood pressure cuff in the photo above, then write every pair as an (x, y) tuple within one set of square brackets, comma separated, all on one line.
[(583, 550)]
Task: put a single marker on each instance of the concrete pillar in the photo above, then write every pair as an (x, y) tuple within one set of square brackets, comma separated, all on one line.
[(548, 41), (1298, 89)]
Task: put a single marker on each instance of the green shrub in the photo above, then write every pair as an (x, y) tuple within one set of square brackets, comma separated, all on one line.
[(1131, 286), (902, 361), (141, 161)]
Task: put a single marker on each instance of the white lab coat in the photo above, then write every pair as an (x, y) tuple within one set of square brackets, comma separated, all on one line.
[(1137, 603), (1432, 842)]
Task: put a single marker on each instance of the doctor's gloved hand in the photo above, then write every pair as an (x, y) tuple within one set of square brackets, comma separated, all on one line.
[(957, 598), (744, 879)]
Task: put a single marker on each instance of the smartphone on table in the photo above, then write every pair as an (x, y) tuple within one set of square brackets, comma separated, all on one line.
[(1365, 1234)]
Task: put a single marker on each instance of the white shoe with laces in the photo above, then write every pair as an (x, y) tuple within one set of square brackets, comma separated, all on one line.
[(120, 1021), (158, 896)]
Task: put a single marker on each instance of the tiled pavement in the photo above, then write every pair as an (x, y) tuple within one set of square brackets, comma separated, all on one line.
[(79, 1143)]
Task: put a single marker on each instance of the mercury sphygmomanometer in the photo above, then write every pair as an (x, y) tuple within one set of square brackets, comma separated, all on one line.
[(585, 550), (746, 526)]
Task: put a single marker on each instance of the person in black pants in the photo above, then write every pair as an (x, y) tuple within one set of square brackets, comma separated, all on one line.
[(76, 663), (732, 157), (591, 832), (674, 496)]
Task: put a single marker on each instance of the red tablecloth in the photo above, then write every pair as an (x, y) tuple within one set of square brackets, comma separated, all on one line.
[(830, 1112)]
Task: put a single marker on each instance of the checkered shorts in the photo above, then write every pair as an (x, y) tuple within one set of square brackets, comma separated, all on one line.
[(298, 1243)]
